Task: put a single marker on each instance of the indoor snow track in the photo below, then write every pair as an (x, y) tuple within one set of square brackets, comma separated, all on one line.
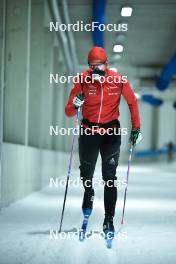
[(147, 237)]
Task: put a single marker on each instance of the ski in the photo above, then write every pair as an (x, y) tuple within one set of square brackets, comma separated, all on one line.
[(108, 230), (83, 229), (82, 232), (109, 236)]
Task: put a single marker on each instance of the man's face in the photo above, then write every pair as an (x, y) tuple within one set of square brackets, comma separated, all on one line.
[(98, 70), (100, 67)]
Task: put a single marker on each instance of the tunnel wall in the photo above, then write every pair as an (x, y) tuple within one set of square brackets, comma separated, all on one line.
[(158, 125), (27, 169), (166, 124), (30, 104)]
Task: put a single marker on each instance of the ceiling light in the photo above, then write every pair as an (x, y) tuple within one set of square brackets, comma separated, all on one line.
[(118, 48), (120, 38), (126, 11), (115, 57)]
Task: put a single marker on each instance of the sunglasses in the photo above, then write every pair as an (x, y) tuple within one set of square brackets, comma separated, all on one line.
[(100, 67)]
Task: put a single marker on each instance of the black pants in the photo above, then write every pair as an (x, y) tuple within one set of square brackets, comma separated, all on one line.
[(109, 148)]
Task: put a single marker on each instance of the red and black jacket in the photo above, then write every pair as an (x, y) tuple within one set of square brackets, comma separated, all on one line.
[(101, 100)]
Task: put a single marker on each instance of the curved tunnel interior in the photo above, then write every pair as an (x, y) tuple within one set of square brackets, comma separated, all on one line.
[(43, 49)]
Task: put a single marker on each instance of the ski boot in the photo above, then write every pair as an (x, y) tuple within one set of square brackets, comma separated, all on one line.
[(108, 229), (86, 213)]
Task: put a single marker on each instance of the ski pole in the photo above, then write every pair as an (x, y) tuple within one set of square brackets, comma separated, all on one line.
[(69, 166), (127, 177)]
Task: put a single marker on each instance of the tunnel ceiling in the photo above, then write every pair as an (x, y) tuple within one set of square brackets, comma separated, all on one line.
[(150, 39)]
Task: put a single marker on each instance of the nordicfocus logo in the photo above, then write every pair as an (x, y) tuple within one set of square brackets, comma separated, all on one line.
[(111, 79), (81, 26), (95, 182), (63, 131), (74, 234)]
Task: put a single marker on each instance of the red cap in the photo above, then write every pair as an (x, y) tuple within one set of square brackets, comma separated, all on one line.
[(97, 55)]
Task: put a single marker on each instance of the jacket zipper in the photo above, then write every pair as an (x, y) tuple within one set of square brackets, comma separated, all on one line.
[(101, 103)]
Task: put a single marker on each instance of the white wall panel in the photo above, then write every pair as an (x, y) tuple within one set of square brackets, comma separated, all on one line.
[(29, 170), (166, 124)]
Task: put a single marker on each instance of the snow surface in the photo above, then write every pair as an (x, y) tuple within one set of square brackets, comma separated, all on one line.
[(147, 237)]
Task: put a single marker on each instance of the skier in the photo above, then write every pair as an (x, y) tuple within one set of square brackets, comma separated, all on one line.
[(100, 110)]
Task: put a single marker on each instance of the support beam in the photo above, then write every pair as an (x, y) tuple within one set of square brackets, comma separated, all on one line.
[(99, 7), (3, 18), (167, 74), (28, 50)]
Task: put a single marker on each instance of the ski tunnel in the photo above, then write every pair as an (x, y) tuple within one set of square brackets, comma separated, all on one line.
[(44, 46)]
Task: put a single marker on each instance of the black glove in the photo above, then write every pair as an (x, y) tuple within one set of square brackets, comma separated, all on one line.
[(136, 136)]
